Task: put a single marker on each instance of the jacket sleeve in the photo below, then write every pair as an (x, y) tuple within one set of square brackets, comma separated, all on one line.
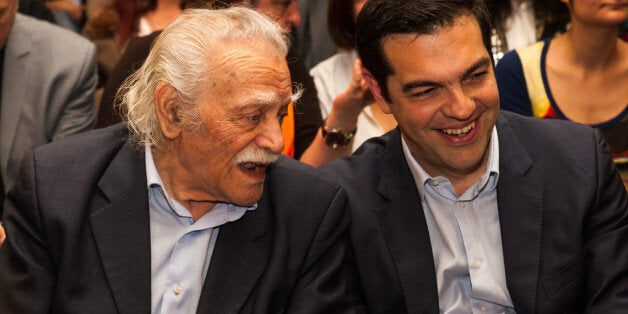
[(324, 283), (77, 114), (606, 234), (27, 277)]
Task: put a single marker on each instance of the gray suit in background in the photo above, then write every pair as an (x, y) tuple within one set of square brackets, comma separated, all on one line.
[(47, 89)]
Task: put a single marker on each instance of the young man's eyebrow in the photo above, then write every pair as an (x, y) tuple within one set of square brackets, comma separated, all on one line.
[(485, 61)]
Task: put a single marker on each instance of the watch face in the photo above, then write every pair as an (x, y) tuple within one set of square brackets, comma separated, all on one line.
[(336, 139)]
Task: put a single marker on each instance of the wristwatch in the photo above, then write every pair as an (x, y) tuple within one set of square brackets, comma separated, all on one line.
[(336, 138)]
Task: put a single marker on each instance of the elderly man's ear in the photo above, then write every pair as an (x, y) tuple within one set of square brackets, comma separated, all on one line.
[(166, 106)]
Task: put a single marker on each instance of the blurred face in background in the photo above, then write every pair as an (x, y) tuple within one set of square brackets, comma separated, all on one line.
[(284, 12), (8, 8), (598, 12)]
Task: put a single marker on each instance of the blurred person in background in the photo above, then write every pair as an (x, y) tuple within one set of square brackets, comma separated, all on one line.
[(341, 88), (579, 76), (68, 14), (143, 17), (517, 23), (37, 9), (48, 77), (312, 38)]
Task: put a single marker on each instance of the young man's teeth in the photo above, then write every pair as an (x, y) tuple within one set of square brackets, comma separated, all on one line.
[(462, 131)]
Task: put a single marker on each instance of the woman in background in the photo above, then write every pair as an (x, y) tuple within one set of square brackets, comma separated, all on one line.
[(143, 17), (341, 89), (580, 75), (518, 23)]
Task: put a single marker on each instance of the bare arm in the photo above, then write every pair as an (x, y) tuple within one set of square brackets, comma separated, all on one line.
[(343, 116), (2, 235)]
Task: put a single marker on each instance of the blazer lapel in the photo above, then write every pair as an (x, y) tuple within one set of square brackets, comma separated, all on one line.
[(239, 259), (15, 84), (520, 201), (405, 230), (122, 231)]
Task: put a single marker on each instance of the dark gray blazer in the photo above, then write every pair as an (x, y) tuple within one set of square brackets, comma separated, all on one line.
[(78, 237), (47, 89), (563, 213)]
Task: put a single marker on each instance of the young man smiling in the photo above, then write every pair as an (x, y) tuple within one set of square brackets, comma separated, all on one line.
[(463, 209)]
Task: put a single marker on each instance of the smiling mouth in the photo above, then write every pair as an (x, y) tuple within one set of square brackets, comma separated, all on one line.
[(459, 132)]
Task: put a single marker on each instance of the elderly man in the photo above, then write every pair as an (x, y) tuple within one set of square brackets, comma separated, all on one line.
[(300, 128), (307, 137), (464, 209), (196, 212)]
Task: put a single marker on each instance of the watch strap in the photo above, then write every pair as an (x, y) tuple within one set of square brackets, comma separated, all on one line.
[(336, 138)]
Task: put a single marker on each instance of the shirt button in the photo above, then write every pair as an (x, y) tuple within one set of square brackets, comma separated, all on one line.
[(461, 204), (483, 308), (177, 289), (435, 182), (477, 263)]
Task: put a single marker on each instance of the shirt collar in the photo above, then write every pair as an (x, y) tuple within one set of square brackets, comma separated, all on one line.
[(152, 176), (421, 176), (220, 214)]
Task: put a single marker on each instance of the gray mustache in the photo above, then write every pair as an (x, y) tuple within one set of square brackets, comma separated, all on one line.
[(254, 154)]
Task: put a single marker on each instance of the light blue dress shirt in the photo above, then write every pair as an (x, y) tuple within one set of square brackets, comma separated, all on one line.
[(465, 238), (181, 248)]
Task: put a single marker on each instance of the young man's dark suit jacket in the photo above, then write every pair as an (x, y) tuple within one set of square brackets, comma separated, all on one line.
[(79, 239), (563, 212)]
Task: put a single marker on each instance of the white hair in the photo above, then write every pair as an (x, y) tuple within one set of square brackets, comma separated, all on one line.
[(182, 57)]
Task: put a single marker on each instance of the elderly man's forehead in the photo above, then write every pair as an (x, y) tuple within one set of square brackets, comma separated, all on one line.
[(252, 98), (246, 55), (252, 70)]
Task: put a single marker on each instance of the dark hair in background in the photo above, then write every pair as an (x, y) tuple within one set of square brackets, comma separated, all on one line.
[(553, 15), (209, 4), (340, 23), (379, 19), (130, 12)]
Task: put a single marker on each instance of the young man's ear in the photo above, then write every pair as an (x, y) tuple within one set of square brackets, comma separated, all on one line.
[(166, 107), (375, 90)]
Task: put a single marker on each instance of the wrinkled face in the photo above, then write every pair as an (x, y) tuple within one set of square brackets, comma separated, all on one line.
[(604, 12), (8, 8), (444, 97), (240, 134), (284, 12)]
